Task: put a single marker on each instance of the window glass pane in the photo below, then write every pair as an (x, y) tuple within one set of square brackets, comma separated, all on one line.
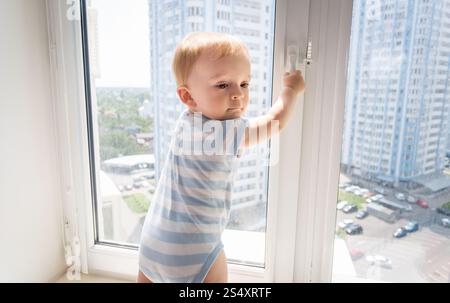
[(393, 217), (135, 107)]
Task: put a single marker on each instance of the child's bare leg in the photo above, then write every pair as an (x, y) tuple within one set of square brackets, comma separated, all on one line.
[(219, 271), (142, 278)]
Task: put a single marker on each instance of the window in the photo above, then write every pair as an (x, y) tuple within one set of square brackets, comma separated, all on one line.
[(298, 210), (393, 223), (133, 108)]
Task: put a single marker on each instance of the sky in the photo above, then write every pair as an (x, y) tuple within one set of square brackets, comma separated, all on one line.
[(123, 42)]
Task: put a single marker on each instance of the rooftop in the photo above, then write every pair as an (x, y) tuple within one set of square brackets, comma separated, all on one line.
[(434, 182)]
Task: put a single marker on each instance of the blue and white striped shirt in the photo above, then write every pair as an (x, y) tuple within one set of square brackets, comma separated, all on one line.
[(181, 237)]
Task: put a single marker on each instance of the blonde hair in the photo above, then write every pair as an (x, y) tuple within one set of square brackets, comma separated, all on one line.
[(191, 47)]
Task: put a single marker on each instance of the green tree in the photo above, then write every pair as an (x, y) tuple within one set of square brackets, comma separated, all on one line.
[(118, 110)]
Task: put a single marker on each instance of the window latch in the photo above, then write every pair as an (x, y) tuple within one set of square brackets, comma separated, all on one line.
[(299, 60), (308, 57)]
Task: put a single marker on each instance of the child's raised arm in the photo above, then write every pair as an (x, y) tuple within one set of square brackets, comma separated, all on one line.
[(263, 127)]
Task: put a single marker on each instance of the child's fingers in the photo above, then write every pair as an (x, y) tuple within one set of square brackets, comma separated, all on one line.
[(293, 72)]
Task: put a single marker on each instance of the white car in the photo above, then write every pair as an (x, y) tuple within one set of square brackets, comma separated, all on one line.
[(445, 222), (411, 199), (351, 189), (364, 191), (343, 224), (357, 192), (377, 197), (341, 205), (400, 196), (379, 261), (348, 188)]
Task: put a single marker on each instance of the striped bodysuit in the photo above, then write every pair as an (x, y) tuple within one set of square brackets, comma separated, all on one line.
[(181, 236)]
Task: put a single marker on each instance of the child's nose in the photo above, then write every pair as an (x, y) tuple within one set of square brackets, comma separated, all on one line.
[(237, 93)]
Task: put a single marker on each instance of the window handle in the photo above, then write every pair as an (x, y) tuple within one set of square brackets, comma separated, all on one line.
[(297, 59), (293, 53)]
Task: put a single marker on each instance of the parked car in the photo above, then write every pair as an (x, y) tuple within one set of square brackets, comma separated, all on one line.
[(353, 229), (422, 203), (445, 222), (379, 190), (368, 195), (363, 191), (411, 199), (444, 211), (377, 197), (412, 226), (149, 176), (361, 214), (380, 261), (400, 232), (351, 188), (121, 188), (343, 224), (341, 205), (351, 208), (400, 196), (356, 253), (128, 187)]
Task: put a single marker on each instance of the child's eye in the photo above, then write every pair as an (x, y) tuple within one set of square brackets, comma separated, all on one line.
[(222, 85), (225, 85)]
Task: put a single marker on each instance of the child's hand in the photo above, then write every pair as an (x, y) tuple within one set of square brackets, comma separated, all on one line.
[(294, 80)]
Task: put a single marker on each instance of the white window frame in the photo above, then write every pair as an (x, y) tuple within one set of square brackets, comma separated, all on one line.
[(309, 147), (329, 32)]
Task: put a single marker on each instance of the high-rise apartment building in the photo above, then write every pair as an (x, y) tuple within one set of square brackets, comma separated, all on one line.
[(398, 94)]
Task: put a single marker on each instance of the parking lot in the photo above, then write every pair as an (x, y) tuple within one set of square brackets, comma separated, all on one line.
[(420, 256)]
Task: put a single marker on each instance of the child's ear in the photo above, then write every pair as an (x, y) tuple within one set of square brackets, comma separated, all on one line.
[(185, 96)]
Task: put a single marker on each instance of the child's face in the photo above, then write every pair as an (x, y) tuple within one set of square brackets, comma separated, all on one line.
[(219, 87)]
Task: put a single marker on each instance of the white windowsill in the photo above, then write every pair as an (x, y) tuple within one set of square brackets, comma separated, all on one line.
[(343, 269), (244, 245)]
